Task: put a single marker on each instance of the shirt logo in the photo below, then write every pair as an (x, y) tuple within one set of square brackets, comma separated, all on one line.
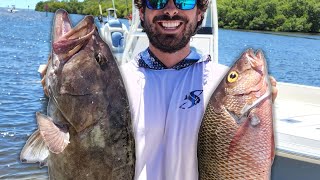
[(191, 100)]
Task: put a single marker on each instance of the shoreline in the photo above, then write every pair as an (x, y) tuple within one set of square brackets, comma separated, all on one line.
[(280, 33)]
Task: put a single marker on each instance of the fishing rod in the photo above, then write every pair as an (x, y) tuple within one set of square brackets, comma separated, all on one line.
[(100, 17)]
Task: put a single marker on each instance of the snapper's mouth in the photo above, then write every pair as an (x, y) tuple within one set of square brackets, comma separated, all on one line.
[(262, 88), (258, 62)]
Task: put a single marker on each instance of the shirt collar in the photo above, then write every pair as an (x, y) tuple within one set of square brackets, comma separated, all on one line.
[(147, 59)]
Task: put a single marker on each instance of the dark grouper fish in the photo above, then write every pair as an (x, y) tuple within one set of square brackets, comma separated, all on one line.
[(236, 135), (87, 131)]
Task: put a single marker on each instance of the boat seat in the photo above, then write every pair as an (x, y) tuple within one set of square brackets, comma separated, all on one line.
[(117, 39), (115, 23)]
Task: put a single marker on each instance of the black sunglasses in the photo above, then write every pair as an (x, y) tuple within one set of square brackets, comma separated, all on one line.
[(180, 4)]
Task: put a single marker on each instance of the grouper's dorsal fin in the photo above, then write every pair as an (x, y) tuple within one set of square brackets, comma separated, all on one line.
[(35, 150), (54, 137)]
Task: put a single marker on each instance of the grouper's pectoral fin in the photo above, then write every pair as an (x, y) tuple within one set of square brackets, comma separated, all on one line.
[(35, 150), (54, 137)]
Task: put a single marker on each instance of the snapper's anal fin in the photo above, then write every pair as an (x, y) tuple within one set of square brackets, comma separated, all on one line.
[(55, 138), (35, 150)]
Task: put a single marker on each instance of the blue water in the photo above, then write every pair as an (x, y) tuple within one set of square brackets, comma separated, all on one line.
[(25, 44), (293, 58)]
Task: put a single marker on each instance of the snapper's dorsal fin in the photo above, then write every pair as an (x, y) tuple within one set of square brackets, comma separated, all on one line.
[(54, 137)]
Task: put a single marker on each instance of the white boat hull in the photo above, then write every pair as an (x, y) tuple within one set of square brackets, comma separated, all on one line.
[(297, 122)]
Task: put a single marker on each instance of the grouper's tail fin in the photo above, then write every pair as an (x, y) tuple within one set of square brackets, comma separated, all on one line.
[(35, 150)]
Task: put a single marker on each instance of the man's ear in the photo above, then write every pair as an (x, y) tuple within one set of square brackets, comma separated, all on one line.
[(199, 15), (141, 14)]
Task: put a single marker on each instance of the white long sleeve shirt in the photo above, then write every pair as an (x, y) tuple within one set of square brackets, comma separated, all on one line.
[(166, 108)]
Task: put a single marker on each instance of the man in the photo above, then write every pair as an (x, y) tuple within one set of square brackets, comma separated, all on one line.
[(169, 85)]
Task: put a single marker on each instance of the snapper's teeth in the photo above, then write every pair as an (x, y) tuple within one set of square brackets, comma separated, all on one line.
[(170, 24)]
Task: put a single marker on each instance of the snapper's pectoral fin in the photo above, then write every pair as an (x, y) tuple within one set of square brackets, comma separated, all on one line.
[(54, 137), (35, 150)]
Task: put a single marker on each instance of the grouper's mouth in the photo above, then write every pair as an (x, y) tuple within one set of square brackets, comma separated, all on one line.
[(67, 41)]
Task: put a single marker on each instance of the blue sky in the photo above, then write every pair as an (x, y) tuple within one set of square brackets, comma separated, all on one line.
[(21, 4)]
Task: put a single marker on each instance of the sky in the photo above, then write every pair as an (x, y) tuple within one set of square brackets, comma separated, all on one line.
[(20, 4)]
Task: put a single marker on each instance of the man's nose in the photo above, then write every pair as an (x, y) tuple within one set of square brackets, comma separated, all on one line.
[(170, 9)]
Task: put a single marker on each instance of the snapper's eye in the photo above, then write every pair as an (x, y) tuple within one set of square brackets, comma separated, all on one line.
[(232, 76)]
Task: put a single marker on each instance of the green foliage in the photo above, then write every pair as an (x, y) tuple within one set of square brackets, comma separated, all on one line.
[(87, 7), (270, 15), (267, 15)]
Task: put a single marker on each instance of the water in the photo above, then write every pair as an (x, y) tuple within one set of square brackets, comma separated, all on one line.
[(25, 44), (293, 58)]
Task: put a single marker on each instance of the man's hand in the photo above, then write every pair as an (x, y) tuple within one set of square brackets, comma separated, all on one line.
[(274, 88), (43, 80)]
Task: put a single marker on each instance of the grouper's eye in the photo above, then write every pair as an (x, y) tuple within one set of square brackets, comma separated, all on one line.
[(101, 60), (98, 57), (232, 77)]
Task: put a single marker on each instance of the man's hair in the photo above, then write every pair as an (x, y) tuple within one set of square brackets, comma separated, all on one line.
[(201, 4)]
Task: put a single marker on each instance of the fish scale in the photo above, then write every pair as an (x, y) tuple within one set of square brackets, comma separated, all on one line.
[(238, 149)]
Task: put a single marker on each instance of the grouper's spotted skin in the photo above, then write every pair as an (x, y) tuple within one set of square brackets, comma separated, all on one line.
[(87, 132)]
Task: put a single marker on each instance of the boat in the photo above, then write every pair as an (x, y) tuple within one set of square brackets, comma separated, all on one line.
[(298, 122), (297, 107), (112, 30), (12, 9)]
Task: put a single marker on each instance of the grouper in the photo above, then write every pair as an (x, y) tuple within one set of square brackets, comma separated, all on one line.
[(236, 139), (87, 131)]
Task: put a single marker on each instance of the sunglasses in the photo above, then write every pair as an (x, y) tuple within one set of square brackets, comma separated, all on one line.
[(180, 4)]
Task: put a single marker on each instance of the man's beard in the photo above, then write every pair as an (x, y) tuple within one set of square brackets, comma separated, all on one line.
[(169, 43)]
